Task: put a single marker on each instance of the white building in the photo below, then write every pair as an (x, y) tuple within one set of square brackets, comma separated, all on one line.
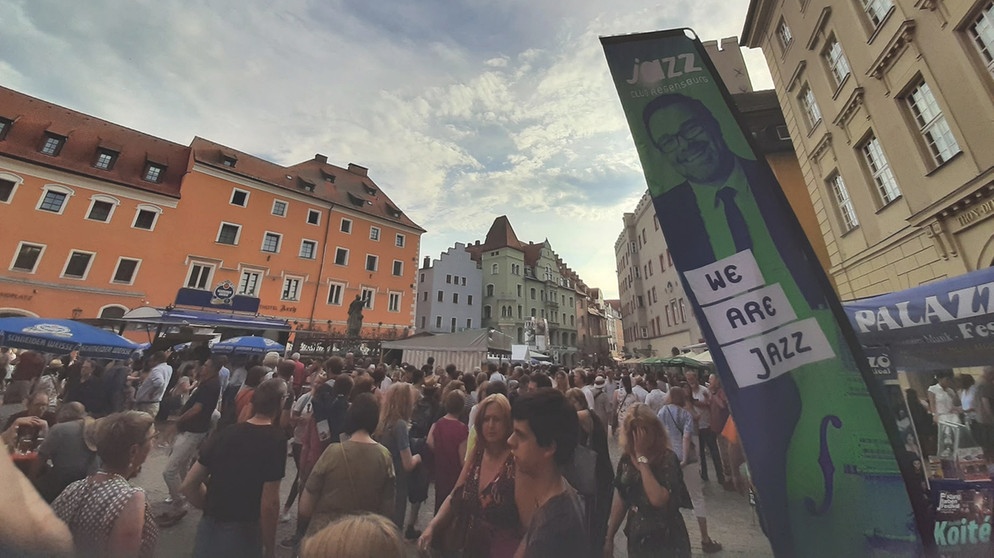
[(449, 291)]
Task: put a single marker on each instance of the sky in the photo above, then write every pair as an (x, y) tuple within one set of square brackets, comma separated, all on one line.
[(462, 110)]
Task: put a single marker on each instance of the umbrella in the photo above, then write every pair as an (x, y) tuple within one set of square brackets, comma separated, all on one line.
[(704, 357), (681, 360), (247, 345), (62, 336)]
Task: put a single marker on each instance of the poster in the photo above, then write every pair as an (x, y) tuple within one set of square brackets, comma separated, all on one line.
[(822, 460), (963, 522)]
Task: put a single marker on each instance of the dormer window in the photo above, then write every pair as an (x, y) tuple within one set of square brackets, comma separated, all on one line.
[(229, 160), (153, 172), (306, 184), (5, 125), (356, 200), (105, 159), (369, 189), (52, 144), (328, 177), (393, 211)]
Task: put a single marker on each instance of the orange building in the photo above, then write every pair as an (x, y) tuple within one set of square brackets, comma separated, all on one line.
[(97, 219)]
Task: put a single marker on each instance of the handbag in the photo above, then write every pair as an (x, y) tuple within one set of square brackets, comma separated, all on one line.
[(452, 541), (581, 471)]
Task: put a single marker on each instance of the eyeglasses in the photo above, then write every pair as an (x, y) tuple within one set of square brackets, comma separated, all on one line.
[(689, 131)]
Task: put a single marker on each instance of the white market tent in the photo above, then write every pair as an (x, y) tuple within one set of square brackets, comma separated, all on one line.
[(466, 349)]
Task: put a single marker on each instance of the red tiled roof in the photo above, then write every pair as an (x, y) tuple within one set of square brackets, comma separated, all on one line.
[(350, 187), (32, 118)]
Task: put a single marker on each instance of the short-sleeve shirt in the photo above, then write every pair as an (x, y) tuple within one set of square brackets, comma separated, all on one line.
[(678, 423), (302, 406), (206, 394), (396, 440), (557, 529), (240, 460), (365, 483)]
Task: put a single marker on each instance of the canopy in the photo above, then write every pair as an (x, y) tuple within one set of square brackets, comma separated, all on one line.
[(681, 360), (62, 336), (944, 324), (466, 349), (247, 346), (201, 318)]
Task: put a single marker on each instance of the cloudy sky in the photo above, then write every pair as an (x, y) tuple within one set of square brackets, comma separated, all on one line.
[(463, 110)]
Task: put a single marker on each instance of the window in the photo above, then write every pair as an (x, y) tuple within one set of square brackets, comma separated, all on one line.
[(469, 323), (279, 208), (335, 293), (372, 262), (490, 290), (101, 209), (843, 202), (438, 322), (463, 281), (229, 160), (346, 226), (452, 326), (494, 269), (5, 125), (532, 293), (398, 268), (52, 144), (7, 188), (519, 291), (873, 154), (783, 35), (200, 276), (811, 111), (313, 217), (53, 200), (838, 65), (291, 289), (448, 279), (424, 296), (78, 264), (683, 311), (271, 242), (341, 256), (153, 172), (145, 218), (228, 234), (533, 312), (248, 283), (422, 278), (27, 257), (877, 9), (367, 296), (105, 159), (469, 300), (487, 312), (374, 233), (424, 320), (441, 296), (932, 123), (455, 298), (981, 31), (308, 249), (240, 198), (399, 240), (126, 270), (393, 302)]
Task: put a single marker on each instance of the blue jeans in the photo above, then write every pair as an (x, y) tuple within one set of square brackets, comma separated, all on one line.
[(220, 539)]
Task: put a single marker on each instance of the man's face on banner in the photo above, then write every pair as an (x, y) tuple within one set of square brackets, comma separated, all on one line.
[(691, 141)]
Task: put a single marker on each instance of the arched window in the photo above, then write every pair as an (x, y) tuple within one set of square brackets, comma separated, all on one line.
[(113, 311), (490, 290), (486, 312)]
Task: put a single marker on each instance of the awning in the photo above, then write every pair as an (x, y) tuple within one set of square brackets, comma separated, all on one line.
[(201, 318), (945, 324)]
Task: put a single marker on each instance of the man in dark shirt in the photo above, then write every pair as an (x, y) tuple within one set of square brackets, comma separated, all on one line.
[(192, 427), (546, 431), (236, 481)]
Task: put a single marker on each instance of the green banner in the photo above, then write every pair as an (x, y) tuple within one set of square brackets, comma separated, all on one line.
[(820, 457)]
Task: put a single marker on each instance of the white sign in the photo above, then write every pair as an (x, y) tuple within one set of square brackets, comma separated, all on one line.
[(725, 278), (749, 314), (764, 357)]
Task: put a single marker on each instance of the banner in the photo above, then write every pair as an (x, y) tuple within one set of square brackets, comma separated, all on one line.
[(820, 457), (945, 324)]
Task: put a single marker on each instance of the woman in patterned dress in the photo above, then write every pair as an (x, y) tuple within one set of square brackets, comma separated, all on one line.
[(485, 491), (106, 515)]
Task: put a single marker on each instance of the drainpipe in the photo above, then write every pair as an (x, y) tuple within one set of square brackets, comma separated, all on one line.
[(324, 253)]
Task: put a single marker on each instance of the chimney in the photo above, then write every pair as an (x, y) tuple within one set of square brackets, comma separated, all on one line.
[(427, 263), (357, 169), (323, 159)]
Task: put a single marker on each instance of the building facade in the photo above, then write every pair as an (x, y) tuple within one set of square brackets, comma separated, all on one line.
[(888, 103), (449, 290), (99, 219)]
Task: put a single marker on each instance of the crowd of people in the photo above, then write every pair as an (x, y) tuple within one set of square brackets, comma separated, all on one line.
[(518, 456)]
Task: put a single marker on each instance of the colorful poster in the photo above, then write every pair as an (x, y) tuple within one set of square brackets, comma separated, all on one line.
[(820, 456), (963, 522)]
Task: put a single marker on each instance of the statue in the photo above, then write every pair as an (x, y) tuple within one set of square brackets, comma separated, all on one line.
[(355, 317)]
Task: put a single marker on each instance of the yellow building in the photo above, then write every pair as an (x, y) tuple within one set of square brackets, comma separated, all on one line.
[(889, 106)]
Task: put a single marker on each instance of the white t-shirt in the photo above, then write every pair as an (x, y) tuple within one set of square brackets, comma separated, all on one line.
[(655, 400), (702, 414), (498, 377), (302, 407), (640, 393), (944, 404), (588, 392)]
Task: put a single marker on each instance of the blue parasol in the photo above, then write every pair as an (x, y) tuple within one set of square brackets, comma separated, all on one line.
[(248, 345), (62, 336)]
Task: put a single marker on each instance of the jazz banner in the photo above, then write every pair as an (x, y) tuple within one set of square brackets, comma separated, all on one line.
[(821, 459)]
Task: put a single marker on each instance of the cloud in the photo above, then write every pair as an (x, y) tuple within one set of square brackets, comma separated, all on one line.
[(462, 111)]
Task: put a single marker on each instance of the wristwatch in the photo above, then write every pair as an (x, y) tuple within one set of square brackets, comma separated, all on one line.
[(642, 459)]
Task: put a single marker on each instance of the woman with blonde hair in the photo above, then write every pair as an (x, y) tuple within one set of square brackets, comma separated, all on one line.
[(393, 431), (356, 536), (480, 516), (650, 491)]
